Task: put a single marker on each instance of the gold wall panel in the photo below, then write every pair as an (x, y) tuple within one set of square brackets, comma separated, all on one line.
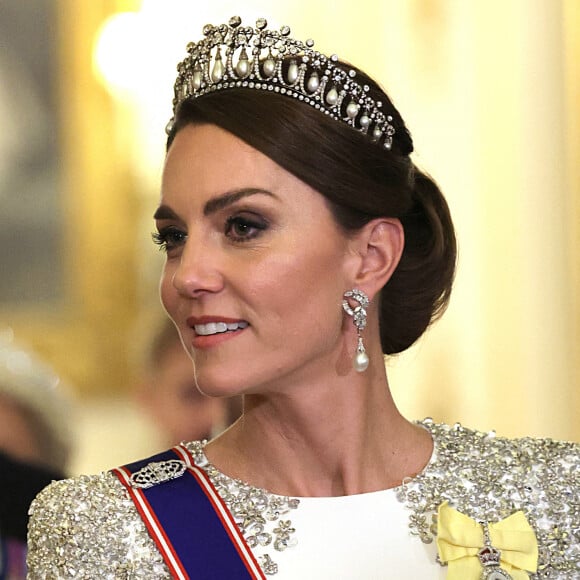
[(84, 338)]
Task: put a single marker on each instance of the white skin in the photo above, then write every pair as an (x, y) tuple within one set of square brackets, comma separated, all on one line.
[(248, 241)]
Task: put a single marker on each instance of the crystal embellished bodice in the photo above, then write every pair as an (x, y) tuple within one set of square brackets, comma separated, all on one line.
[(88, 527)]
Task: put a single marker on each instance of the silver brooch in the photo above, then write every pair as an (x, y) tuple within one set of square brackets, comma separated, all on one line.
[(157, 472)]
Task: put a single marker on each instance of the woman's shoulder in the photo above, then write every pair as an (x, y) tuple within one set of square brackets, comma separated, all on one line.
[(459, 442), (524, 468), (481, 455), (82, 498), (79, 525), (72, 491), (488, 478)]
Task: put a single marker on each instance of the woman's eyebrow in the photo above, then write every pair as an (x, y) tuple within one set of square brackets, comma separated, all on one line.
[(164, 212), (230, 197)]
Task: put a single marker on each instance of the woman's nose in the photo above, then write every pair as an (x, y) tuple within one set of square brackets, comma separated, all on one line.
[(198, 271)]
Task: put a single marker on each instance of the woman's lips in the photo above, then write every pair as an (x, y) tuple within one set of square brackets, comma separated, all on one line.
[(218, 327), (213, 330)]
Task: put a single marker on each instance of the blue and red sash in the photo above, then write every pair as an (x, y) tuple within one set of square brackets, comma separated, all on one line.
[(188, 520)]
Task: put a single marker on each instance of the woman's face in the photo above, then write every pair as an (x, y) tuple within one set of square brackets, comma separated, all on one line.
[(256, 266)]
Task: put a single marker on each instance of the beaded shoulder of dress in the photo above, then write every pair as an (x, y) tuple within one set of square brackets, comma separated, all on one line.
[(488, 478), (86, 528)]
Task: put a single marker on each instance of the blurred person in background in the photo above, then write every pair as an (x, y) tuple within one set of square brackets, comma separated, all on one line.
[(35, 444), (166, 391)]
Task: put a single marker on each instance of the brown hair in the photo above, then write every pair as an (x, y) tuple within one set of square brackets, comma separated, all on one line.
[(361, 181)]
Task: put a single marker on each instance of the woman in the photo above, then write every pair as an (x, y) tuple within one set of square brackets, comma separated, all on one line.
[(303, 245)]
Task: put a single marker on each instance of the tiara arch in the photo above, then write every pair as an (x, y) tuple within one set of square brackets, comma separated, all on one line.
[(233, 56)]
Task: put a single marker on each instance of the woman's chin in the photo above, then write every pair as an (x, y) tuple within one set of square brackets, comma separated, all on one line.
[(218, 386)]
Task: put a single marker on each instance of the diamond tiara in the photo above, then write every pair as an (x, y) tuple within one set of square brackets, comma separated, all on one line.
[(270, 60)]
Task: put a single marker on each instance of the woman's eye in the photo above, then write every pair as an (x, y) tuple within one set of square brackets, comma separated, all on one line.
[(241, 228), (169, 238)]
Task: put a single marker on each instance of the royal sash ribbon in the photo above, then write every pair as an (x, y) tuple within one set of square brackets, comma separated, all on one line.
[(189, 522), (459, 539)]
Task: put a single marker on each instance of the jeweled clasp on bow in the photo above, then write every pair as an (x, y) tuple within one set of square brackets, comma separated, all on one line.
[(473, 551)]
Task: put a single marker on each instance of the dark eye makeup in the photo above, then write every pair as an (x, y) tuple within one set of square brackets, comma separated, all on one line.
[(238, 228), (169, 238), (245, 226)]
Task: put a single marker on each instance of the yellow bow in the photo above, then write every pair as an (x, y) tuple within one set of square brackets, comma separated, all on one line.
[(459, 539)]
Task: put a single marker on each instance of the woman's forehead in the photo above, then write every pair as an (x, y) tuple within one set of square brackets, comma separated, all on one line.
[(210, 162), (213, 153)]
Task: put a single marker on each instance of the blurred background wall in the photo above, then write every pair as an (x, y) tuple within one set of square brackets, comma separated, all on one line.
[(491, 93)]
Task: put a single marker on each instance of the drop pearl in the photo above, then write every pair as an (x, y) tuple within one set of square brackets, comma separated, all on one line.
[(269, 67), (313, 83), (243, 68), (196, 81), (292, 73), (352, 110), (218, 69), (361, 362), (332, 96)]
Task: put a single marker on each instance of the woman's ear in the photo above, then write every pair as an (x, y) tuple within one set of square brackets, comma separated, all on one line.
[(379, 245)]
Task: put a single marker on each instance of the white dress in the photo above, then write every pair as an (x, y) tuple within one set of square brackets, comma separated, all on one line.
[(357, 536), (88, 527)]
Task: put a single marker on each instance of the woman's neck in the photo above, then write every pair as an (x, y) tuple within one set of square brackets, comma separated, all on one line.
[(324, 440)]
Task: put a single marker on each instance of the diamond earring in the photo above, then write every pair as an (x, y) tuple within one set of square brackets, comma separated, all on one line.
[(359, 315)]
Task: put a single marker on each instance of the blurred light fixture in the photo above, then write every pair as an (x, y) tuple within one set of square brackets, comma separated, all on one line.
[(135, 56), (112, 58)]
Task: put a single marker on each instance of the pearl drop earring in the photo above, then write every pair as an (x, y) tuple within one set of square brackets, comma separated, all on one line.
[(359, 315)]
